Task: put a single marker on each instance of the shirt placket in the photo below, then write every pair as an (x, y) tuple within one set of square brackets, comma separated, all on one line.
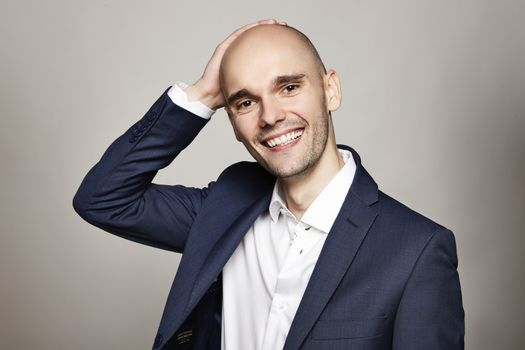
[(289, 288)]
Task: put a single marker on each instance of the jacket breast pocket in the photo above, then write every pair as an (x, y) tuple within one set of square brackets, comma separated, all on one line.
[(349, 329)]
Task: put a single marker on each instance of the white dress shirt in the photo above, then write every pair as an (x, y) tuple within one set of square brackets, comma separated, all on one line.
[(265, 278), (179, 97)]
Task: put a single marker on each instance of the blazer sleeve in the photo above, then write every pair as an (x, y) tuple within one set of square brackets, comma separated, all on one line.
[(430, 315), (117, 194)]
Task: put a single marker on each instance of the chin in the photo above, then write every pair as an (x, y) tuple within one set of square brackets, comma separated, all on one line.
[(286, 171)]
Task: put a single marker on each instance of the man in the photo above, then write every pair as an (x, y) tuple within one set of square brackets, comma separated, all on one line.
[(297, 251)]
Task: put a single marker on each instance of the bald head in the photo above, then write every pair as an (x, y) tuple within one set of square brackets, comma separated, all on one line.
[(279, 99), (269, 39)]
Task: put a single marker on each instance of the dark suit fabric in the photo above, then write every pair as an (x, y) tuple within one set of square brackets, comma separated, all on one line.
[(386, 277)]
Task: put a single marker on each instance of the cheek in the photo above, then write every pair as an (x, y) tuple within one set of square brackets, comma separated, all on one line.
[(243, 127), (305, 106)]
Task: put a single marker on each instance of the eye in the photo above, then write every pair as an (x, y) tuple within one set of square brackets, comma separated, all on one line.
[(291, 87), (244, 104)]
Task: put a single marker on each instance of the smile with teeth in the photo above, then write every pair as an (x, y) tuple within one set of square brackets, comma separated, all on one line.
[(284, 139)]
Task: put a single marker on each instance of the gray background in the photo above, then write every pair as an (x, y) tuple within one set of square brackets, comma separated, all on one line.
[(434, 100)]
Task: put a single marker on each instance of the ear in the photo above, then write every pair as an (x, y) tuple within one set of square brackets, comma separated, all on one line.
[(230, 117), (332, 89)]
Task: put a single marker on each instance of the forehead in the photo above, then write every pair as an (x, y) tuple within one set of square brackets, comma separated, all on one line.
[(257, 59)]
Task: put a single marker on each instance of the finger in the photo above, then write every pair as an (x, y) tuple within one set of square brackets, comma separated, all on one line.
[(226, 43), (266, 21), (244, 28)]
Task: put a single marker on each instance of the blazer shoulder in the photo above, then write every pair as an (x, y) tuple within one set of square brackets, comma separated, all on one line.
[(397, 214), (244, 173)]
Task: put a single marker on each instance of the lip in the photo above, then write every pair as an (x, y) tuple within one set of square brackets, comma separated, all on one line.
[(288, 145), (283, 147), (267, 138)]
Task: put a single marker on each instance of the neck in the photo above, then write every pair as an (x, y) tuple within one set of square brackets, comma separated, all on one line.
[(299, 191)]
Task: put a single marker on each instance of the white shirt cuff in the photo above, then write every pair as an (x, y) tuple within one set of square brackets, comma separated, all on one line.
[(180, 98)]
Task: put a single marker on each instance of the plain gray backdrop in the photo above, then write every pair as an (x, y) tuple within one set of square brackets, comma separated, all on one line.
[(433, 99)]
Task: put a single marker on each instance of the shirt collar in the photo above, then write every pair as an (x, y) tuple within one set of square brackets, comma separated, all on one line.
[(322, 212)]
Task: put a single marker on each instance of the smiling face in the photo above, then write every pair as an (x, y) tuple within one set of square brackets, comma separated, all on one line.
[(279, 100)]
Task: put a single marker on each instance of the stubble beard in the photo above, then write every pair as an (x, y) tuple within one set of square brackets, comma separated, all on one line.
[(313, 153)]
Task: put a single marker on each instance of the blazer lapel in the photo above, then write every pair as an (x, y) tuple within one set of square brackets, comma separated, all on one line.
[(225, 246), (234, 204), (344, 239)]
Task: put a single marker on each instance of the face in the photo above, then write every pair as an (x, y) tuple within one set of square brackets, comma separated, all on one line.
[(277, 102)]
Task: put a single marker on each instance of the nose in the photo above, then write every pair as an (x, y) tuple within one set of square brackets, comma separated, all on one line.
[(271, 112)]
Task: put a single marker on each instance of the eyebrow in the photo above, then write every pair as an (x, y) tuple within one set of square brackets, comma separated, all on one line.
[(237, 96), (280, 80), (283, 79)]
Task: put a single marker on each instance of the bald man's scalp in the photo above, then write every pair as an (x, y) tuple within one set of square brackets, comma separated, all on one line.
[(297, 33), (310, 47)]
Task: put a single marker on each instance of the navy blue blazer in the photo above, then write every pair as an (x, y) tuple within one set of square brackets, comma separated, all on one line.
[(386, 277)]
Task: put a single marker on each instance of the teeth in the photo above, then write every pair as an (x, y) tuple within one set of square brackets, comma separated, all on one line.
[(284, 139)]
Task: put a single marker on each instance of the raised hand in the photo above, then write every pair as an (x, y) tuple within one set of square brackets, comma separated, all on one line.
[(207, 89)]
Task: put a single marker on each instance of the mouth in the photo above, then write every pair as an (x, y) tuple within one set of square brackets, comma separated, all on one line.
[(280, 142)]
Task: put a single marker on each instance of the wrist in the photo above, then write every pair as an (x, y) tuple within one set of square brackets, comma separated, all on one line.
[(196, 92)]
